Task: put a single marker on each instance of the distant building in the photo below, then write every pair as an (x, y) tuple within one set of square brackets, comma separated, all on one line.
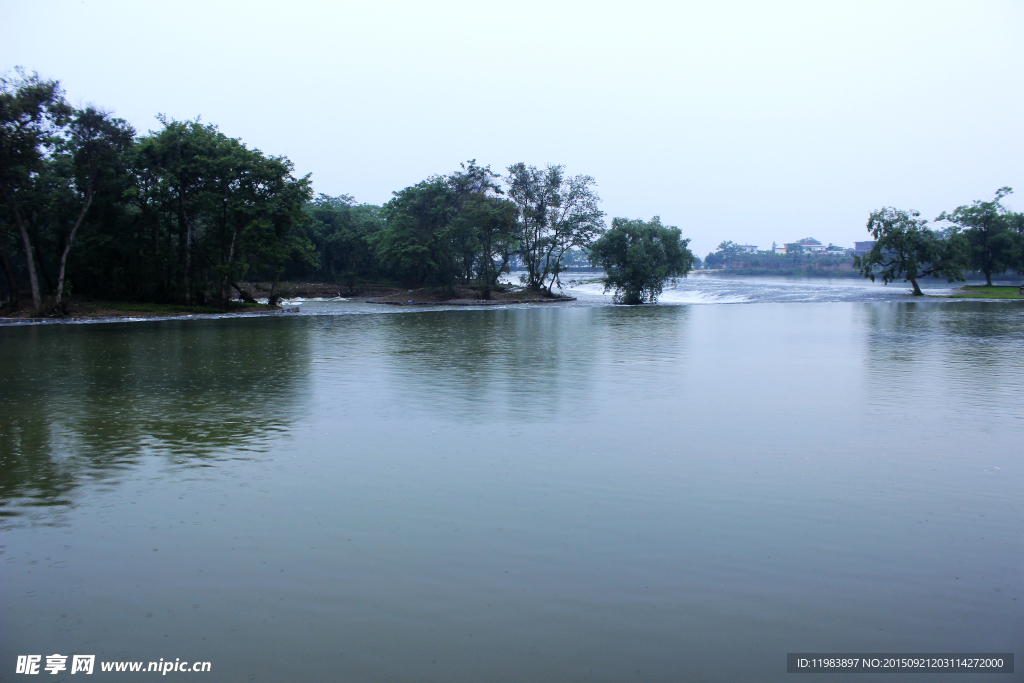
[(812, 246), (863, 247), (834, 250), (778, 248), (747, 248)]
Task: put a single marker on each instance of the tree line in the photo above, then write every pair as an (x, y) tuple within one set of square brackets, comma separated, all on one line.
[(184, 214), (981, 237), (176, 215)]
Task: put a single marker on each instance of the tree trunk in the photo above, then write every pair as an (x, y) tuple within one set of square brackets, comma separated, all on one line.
[(187, 281), (225, 291), (26, 244), (272, 298), (917, 290), (243, 294), (12, 282), (67, 247), (486, 294), (188, 262)]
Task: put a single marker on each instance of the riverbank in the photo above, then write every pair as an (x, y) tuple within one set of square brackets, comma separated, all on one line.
[(466, 296), (91, 309), (84, 310), (987, 292)]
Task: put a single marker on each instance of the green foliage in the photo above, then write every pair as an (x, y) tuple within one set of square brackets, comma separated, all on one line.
[(343, 234), (726, 253), (33, 113), (177, 215), (183, 214), (218, 211), (555, 213), (639, 256), (992, 233), (905, 248), (416, 244), (449, 229)]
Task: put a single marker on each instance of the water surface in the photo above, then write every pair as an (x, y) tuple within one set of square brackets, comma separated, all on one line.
[(576, 492)]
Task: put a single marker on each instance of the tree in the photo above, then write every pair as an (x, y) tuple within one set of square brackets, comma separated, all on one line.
[(727, 251), (555, 213), (32, 114), (906, 248), (182, 155), (486, 223), (639, 256), (493, 219), (448, 229), (1016, 223), (992, 242), (342, 233), (415, 244), (97, 144), (794, 251), (269, 221)]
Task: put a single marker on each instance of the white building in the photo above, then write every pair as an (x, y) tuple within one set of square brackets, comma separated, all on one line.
[(812, 246)]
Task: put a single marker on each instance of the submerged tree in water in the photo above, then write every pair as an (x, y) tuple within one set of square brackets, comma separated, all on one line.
[(638, 256)]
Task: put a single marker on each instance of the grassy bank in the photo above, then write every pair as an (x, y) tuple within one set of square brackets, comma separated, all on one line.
[(986, 292)]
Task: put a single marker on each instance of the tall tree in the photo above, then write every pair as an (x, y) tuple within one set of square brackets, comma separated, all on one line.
[(992, 242), (486, 224), (181, 154), (415, 245), (434, 229), (277, 237), (555, 213), (1016, 223), (342, 232), (97, 144), (906, 248), (494, 220), (32, 114)]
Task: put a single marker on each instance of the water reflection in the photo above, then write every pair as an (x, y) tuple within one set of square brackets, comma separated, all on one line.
[(468, 364), (90, 401), (962, 354), (526, 362)]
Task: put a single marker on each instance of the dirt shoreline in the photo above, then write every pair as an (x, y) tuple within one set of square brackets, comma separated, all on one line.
[(473, 302), (117, 316), (92, 310), (465, 296)]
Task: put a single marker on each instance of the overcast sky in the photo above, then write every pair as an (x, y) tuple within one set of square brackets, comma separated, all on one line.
[(755, 122)]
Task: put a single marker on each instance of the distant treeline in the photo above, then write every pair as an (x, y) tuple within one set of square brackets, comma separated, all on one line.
[(795, 262), (983, 238), (184, 214)]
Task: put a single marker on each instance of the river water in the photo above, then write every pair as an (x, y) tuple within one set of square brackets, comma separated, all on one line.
[(557, 492)]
